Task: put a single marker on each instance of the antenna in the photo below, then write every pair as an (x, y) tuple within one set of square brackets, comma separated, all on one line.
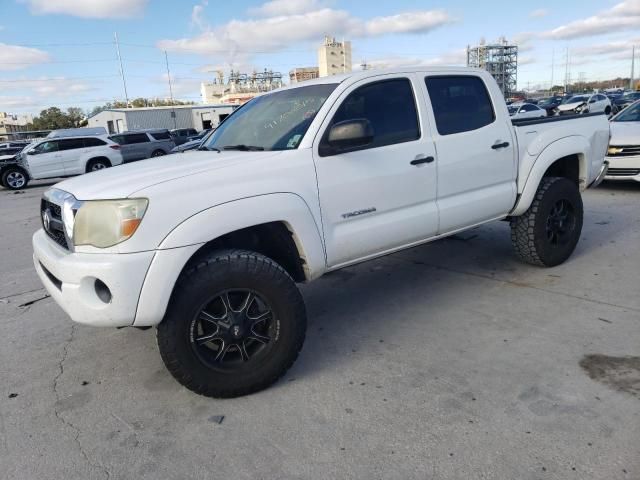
[(173, 110), (124, 82)]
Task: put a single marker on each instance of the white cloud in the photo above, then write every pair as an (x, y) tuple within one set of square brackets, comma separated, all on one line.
[(454, 57), (539, 13), (277, 8), (526, 60), (409, 22), (89, 8), (43, 87), (12, 103), (197, 16), (623, 16), (615, 50), (14, 57), (281, 32)]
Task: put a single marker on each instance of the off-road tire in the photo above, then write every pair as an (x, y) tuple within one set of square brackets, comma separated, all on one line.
[(9, 181), (219, 271), (529, 231)]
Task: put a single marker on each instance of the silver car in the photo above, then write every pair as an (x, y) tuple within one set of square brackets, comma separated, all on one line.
[(141, 144)]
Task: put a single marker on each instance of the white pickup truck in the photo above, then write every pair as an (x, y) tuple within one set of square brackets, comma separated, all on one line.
[(299, 182)]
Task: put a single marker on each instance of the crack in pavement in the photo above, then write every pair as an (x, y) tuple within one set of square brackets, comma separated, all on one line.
[(21, 293), (76, 430), (518, 284)]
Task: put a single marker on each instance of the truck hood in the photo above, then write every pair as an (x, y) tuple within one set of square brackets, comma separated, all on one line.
[(569, 106), (125, 180), (625, 133)]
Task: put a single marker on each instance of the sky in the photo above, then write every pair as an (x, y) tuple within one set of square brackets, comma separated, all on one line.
[(62, 52)]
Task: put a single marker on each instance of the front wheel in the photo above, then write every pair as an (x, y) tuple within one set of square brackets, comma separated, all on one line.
[(548, 232), (14, 178), (235, 324), (158, 153), (607, 110)]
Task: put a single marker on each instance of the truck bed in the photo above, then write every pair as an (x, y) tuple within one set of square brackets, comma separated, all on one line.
[(555, 118)]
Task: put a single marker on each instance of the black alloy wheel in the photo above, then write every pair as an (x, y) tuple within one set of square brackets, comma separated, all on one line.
[(234, 328)]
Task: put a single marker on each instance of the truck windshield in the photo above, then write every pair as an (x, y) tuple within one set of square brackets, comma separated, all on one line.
[(629, 114), (275, 121)]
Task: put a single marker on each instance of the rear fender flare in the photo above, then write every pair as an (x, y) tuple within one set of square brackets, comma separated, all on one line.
[(574, 145)]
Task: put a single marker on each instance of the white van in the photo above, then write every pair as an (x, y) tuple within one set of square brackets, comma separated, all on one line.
[(61, 157)]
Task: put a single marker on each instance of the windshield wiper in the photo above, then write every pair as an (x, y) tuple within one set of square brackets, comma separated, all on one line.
[(209, 149), (243, 147)]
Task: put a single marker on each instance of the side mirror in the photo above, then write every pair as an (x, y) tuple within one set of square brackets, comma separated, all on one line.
[(592, 100), (32, 152), (350, 134)]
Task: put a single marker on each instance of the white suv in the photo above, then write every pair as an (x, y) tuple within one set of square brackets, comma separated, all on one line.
[(61, 157)]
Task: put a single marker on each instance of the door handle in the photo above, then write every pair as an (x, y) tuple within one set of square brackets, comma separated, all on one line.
[(496, 146), (418, 161)]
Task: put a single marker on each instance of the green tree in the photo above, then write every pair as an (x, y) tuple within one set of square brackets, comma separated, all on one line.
[(53, 118)]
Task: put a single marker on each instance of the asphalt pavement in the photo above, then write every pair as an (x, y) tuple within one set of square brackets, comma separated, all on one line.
[(449, 361)]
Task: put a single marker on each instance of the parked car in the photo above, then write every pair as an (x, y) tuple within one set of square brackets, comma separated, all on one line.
[(59, 157), (526, 110), (624, 101), (623, 154), (141, 144), (550, 104), (191, 145), (77, 132), (587, 103), (209, 249), (200, 135), (180, 135)]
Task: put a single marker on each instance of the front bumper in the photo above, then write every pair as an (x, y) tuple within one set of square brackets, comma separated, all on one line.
[(623, 168), (140, 284), (70, 279)]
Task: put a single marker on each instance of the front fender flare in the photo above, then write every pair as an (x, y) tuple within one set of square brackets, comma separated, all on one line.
[(219, 220)]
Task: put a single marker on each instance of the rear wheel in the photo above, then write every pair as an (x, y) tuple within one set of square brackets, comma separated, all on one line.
[(548, 232), (235, 324), (98, 164), (14, 178)]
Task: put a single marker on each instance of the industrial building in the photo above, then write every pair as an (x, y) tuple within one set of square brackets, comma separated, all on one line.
[(239, 87), (301, 74), (500, 60), (200, 117), (12, 123), (334, 57)]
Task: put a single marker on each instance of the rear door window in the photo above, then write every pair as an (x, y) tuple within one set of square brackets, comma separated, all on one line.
[(460, 103), (70, 144), (94, 142), (136, 138), (161, 135)]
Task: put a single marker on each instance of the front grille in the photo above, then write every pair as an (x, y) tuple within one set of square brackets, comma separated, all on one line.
[(623, 172), (623, 150), (55, 227)]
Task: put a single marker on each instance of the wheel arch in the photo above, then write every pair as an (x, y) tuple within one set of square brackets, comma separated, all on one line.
[(95, 159), (566, 158), (279, 226)]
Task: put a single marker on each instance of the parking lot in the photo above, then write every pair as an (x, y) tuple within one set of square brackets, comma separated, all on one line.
[(448, 361)]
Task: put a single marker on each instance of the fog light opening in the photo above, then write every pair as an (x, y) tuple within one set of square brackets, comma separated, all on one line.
[(102, 291)]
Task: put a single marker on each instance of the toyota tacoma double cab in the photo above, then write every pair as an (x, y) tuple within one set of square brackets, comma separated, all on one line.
[(296, 183)]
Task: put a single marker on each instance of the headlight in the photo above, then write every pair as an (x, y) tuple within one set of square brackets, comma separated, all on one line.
[(104, 223)]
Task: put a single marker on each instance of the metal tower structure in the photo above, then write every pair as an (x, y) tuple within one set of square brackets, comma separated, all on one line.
[(500, 60)]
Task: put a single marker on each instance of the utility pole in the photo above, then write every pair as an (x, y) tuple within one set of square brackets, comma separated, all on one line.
[(124, 82), (633, 60), (553, 61), (173, 110), (566, 72)]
